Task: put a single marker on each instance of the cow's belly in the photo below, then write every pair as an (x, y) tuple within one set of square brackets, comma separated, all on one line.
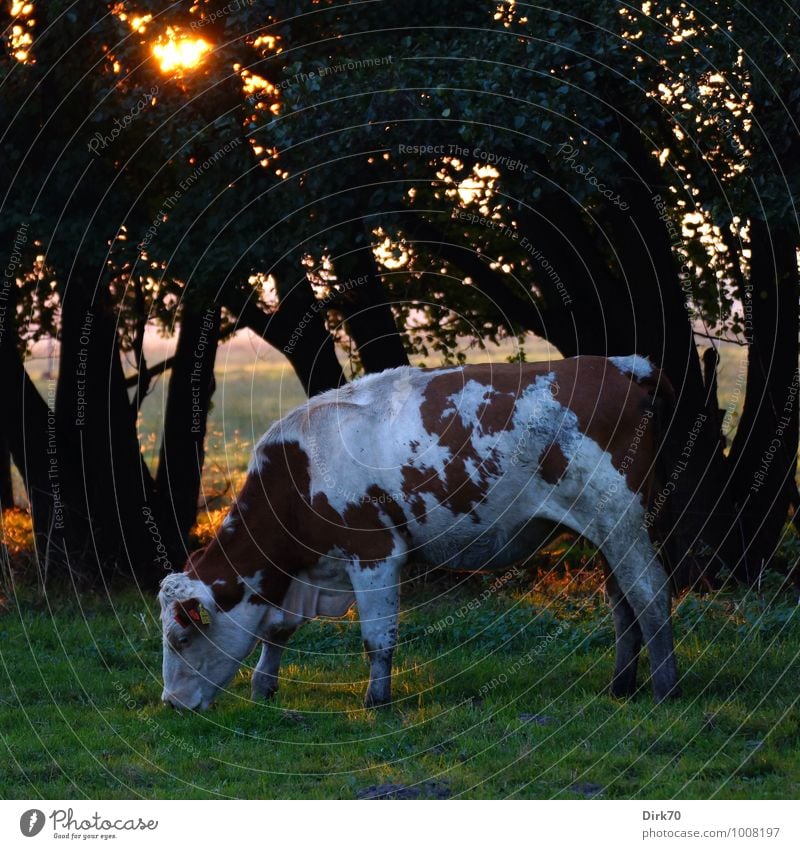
[(469, 545)]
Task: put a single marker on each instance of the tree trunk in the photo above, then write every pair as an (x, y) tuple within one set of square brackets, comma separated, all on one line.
[(191, 385), (6, 489), (364, 303), (108, 491), (296, 329), (27, 427), (25, 423), (763, 456), (645, 238)]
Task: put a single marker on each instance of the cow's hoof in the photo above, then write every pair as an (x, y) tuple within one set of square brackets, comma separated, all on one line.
[(668, 695), (263, 693), (372, 701), (623, 689)]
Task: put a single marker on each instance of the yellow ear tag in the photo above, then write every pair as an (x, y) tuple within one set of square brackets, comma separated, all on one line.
[(205, 617)]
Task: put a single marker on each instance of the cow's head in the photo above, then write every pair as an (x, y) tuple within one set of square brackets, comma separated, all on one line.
[(203, 644)]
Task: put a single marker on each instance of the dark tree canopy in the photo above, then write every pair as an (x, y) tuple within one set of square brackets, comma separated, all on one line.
[(395, 178)]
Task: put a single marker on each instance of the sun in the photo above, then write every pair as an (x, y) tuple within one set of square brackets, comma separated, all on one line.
[(180, 52)]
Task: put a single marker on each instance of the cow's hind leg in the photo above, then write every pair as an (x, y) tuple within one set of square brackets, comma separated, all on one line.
[(265, 676), (377, 592), (645, 586), (628, 641)]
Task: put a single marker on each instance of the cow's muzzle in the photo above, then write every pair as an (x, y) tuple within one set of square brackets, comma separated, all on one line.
[(186, 703)]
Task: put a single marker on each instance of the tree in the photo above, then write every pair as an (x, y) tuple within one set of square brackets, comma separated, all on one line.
[(393, 179)]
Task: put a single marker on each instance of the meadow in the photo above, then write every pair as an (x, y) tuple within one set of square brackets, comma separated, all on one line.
[(506, 701), (503, 697)]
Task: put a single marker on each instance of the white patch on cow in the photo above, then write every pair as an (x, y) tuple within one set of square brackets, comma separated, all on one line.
[(634, 364), (377, 594), (469, 399), (401, 392)]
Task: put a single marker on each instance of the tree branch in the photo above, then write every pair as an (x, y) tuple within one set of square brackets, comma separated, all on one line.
[(516, 312), (139, 379)]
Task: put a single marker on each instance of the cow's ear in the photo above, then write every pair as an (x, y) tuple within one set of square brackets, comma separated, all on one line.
[(190, 612)]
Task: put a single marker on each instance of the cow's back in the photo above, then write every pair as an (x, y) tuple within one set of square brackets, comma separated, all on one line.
[(458, 457)]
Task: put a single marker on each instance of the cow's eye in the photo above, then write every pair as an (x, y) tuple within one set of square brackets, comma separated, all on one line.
[(183, 641)]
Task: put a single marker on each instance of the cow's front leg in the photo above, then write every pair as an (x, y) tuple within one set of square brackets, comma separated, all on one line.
[(377, 591), (265, 676)]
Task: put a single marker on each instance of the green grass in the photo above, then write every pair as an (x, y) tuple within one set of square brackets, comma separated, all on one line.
[(80, 712)]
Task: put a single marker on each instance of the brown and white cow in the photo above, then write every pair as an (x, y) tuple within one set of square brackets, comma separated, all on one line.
[(469, 467)]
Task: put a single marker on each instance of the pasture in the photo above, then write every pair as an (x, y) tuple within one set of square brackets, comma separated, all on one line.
[(505, 701), (499, 690)]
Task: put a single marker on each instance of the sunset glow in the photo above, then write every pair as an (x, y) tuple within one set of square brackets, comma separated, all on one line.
[(177, 53)]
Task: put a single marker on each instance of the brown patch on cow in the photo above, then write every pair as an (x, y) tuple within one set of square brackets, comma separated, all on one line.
[(496, 414), (386, 502), (456, 488), (284, 531), (366, 536), (266, 537), (615, 411), (552, 464), (609, 405)]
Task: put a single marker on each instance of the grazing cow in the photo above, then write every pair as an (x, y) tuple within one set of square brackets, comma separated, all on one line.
[(472, 467)]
